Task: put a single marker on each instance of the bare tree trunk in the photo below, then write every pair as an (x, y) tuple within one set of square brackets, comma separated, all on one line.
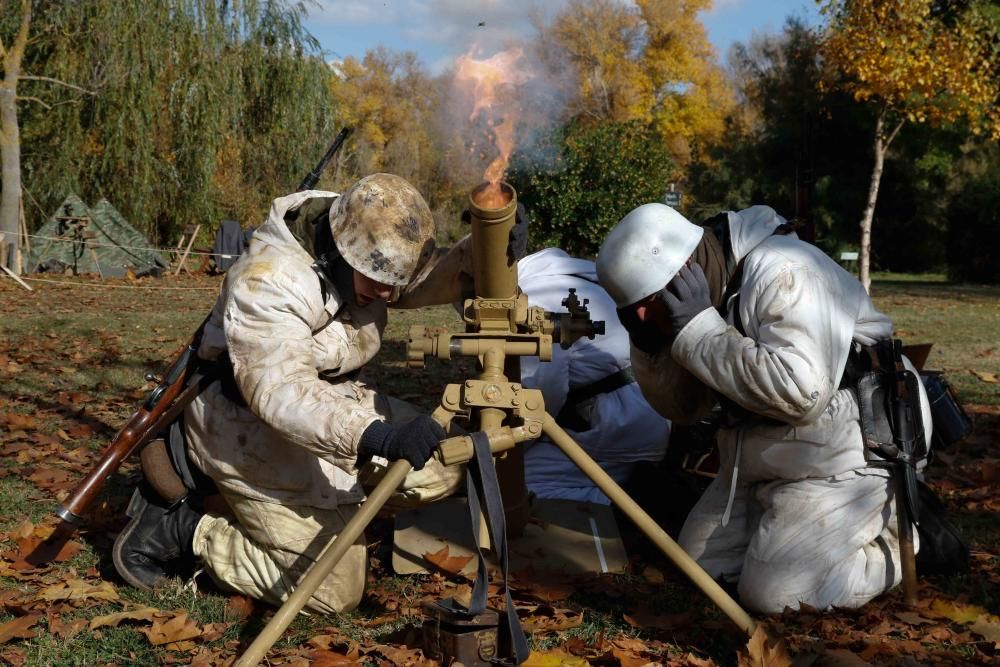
[(10, 136), (881, 145)]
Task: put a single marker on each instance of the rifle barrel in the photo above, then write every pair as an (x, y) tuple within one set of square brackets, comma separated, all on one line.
[(310, 181)]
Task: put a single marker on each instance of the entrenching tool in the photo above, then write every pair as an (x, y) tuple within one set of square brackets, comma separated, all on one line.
[(500, 325)]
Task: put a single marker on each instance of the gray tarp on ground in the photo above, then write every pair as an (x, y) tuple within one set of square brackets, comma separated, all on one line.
[(115, 245)]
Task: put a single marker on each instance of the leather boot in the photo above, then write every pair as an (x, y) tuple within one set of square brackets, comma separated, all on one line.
[(158, 542)]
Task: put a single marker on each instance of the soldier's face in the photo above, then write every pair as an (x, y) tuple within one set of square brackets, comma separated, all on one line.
[(653, 310), (367, 290)]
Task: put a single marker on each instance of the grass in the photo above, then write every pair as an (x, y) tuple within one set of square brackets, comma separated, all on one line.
[(962, 322), (73, 358)]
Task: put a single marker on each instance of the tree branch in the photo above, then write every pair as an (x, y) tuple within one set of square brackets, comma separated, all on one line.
[(895, 131), (49, 79), (34, 99)]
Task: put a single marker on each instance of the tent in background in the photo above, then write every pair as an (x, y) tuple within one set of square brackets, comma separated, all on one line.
[(92, 240)]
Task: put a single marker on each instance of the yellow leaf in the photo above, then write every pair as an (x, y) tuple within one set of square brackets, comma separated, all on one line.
[(956, 611), (112, 620), (988, 626), (78, 589), (555, 658), (174, 630), (764, 650)]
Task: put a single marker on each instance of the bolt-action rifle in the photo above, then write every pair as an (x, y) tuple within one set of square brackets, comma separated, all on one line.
[(183, 381)]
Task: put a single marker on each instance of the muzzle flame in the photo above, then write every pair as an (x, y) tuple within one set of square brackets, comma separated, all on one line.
[(490, 83)]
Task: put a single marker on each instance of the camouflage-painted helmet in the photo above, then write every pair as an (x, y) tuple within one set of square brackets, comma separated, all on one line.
[(383, 228)]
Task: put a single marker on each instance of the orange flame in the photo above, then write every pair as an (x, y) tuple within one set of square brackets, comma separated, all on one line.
[(490, 81)]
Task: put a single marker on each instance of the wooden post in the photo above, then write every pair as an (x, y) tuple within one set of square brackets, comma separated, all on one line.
[(193, 236), (17, 278), (21, 236)]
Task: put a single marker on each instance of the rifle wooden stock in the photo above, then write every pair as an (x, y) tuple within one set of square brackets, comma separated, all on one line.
[(162, 405)]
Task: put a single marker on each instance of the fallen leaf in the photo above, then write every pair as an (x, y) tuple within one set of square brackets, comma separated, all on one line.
[(65, 630), (411, 657), (628, 658), (764, 651), (321, 658), (238, 607), (653, 575), (112, 620), (840, 657), (911, 618), (81, 431), (988, 626), (444, 562), (172, 631), (78, 589), (29, 555), (545, 592), (18, 628), (645, 618), (17, 421), (955, 611), (986, 376), (546, 618), (553, 658), (15, 656)]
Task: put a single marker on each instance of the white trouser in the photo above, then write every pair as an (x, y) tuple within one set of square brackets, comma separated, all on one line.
[(266, 549), (263, 549), (823, 542)]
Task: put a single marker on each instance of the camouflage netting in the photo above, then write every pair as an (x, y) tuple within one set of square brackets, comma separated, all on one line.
[(91, 240)]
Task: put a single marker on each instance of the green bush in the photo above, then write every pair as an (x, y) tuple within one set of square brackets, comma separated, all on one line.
[(974, 231), (599, 174)]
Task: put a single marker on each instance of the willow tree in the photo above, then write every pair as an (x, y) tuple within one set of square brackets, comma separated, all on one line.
[(204, 109), (918, 61)]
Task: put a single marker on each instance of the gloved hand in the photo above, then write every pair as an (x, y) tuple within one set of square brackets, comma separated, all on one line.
[(646, 336), (686, 296), (414, 440)]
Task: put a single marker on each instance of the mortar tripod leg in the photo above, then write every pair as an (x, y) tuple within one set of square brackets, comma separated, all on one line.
[(325, 563), (671, 549)]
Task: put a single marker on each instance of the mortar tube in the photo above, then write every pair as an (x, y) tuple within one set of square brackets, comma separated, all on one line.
[(494, 271), (657, 535), (494, 275)]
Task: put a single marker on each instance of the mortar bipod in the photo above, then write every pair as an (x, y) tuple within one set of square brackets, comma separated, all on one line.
[(457, 450)]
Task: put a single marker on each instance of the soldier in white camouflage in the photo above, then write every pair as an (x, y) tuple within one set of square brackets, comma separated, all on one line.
[(294, 432)]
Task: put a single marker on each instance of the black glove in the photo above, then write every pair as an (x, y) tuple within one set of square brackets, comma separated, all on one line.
[(644, 335), (414, 440), (686, 296)]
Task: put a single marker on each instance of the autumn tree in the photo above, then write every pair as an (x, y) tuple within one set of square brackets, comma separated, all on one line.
[(650, 62), (918, 61), (390, 101)]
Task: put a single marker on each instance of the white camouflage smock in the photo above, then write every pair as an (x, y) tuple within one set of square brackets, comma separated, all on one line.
[(795, 514), (285, 461)]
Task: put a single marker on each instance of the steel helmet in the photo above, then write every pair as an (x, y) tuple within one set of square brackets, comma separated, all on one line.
[(644, 251), (383, 228)]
